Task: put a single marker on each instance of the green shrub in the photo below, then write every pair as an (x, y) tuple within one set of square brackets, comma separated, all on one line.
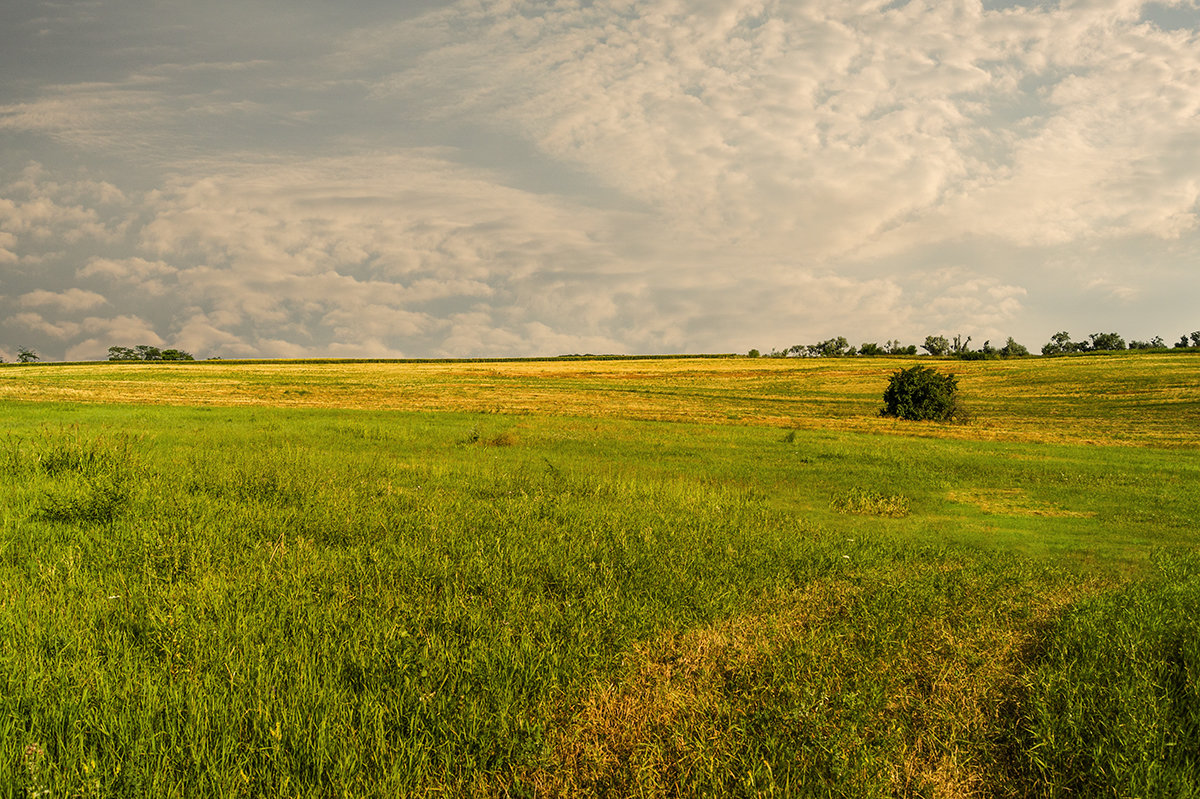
[(920, 394)]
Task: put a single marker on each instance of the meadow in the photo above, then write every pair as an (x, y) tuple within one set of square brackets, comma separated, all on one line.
[(681, 577)]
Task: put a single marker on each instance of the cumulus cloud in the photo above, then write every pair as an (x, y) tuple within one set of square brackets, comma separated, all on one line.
[(69, 300), (38, 212), (32, 322), (8, 242), (100, 333), (352, 249)]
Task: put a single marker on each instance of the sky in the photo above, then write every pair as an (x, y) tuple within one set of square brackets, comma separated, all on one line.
[(423, 178)]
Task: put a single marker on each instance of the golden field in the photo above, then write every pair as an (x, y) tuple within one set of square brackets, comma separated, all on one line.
[(1129, 398)]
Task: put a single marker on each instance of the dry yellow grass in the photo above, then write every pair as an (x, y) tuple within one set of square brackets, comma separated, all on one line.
[(1011, 502), (645, 733), (670, 712)]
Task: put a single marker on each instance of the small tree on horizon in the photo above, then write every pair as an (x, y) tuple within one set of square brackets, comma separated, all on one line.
[(831, 348), (936, 345), (1106, 341), (1012, 349), (870, 349), (27, 355), (1060, 343), (123, 354)]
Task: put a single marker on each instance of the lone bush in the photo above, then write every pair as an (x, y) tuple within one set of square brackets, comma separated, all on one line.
[(921, 394)]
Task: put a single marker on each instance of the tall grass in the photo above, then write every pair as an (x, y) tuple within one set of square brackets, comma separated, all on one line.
[(316, 605), (1110, 700)]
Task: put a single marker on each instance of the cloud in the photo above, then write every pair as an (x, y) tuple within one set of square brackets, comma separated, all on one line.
[(125, 115), (989, 303), (354, 249), (30, 322), (202, 334), (501, 177), (102, 333), (834, 129), (124, 268), (68, 301), (8, 243), (37, 212)]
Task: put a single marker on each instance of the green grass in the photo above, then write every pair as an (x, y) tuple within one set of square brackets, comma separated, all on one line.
[(257, 601)]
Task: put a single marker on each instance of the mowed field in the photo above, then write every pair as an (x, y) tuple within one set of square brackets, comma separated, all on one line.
[(1132, 398), (658, 577)]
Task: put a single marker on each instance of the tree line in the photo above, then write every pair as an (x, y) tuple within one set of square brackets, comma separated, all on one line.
[(959, 347), (144, 352), (840, 347), (1060, 343)]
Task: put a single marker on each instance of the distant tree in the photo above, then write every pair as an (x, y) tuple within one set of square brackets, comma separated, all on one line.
[(920, 394), (1012, 349), (831, 348), (147, 353), (1182, 343), (1196, 339), (870, 349), (123, 354), (1158, 343), (1059, 344), (177, 355), (751, 354), (1139, 345), (936, 345), (959, 347), (988, 350), (26, 355), (896, 348), (1106, 341)]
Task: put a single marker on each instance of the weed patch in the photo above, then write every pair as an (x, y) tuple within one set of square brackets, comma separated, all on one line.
[(866, 502), (99, 502)]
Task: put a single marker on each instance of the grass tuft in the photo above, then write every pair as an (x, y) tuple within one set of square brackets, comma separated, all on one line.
[(867, 502)]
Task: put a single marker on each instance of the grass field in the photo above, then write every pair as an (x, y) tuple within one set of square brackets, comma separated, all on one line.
[(599, 578)]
